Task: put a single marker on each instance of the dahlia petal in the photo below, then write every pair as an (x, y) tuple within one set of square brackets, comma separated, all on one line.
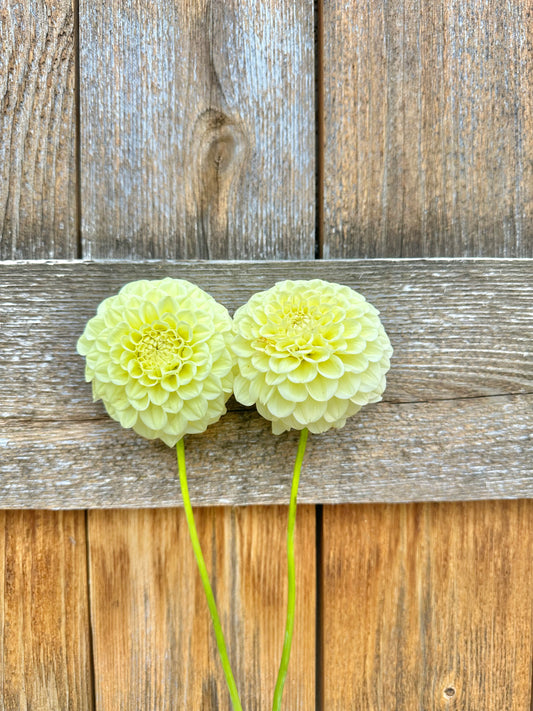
[(158, 395), (278, 406), (309, 411), (195, 409), (176, 424), (128, 417), (331, 368), (154, 417), (174, 403), (356, 362), (170, 382), (186, 374), (283, 364), (322, 389), (222, 365), (141, 404), (83, 345), (348, 385), (303, 373), (259, 361), (134, 390), (241, 390), (272, 378), (242, 347), (190, 390), (297, 392)]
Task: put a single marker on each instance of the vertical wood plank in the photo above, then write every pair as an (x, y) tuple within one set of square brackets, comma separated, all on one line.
[(427, 123), (44, 617), (428, 606), (428, 129), (153, 644), (44, 645), (197, 138), (197, 141), (37, 130)]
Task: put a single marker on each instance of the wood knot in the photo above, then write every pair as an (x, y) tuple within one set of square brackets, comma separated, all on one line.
[(220, 150)]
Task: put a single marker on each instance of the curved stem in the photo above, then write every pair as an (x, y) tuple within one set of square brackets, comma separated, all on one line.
[(221, 644), (291, 595)]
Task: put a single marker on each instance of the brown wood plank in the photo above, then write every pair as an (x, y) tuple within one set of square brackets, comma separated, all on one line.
[(45, 648), (37, 130), (198, 134), (427, 129), (428, 606), (44, 617), (153, 644)]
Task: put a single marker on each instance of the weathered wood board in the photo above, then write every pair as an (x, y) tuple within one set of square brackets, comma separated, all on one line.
[(45, 643), (428, 128), (458, 407), (38, 194), (197, 139)]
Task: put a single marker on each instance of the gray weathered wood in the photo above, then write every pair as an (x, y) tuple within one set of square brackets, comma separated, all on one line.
[(37, 130), (477, 448), (197, 138), (428, 128), (459, 328), (456, 421)]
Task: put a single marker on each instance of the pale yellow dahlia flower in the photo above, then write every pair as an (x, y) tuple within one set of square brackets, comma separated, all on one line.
[(159, 356), (309, 354)]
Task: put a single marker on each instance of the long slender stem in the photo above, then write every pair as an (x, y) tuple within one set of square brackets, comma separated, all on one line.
[(221, 644), (291, 596)]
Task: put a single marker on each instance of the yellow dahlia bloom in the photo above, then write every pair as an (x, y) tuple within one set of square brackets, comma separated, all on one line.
[(309, 354), (159, 356)]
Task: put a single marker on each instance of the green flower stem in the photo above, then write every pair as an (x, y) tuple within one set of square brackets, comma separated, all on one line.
[(291, 596), (205, 579)]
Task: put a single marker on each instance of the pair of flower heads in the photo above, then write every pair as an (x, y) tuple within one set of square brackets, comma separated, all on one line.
[(164, 356)]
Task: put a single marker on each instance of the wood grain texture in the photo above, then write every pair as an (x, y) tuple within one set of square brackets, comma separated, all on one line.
[(428, 129), (153, 644), (198, 137), (44, 617), (459, 328), (479, 448), (427, 606), (458, 408), (37, 130)]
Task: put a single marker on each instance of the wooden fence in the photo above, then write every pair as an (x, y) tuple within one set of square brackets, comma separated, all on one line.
[(385, 145)]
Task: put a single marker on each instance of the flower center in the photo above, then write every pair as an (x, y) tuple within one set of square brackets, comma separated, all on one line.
[(299, 322), (161, 350)]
